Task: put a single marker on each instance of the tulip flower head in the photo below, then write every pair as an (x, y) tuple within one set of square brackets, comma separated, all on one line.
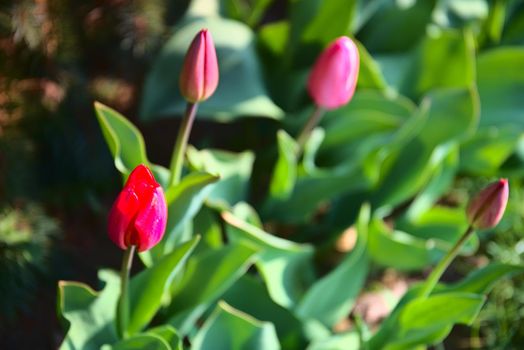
[(334, 76), (486, 209), (199, 77), (139, 214)]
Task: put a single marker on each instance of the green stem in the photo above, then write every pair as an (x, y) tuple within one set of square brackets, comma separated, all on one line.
[(312, 122), (441, 267), (123, 301), (177, 160)]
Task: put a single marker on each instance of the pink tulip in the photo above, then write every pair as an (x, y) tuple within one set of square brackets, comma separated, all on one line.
[(334, 76), (199, 77), (139, 214), (486, 209)]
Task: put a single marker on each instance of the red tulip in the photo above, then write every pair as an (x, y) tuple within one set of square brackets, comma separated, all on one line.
[(334, 76), (139, 214), (199, 77), (486, 209)]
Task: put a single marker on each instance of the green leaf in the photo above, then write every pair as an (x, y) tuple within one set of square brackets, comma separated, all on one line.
[(250, 295), (283, 264), (249, 12), (234, 170), (404, 252), (285, 172), (417, 339), (407, 20), (441, 310), (90, 314), (184, 201), (147, 288), (499, 79), (169, 335), (124, 140), (341, 341), (142, 342), (481, 281), (206, 278), (331, 298), (230, 329), (241, 90)]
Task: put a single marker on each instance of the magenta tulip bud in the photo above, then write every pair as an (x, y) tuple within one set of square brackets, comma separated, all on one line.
[(199, 77), (139, 214), (334, 76), (486, 209)]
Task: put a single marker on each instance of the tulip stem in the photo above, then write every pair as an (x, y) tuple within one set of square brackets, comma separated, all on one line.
[(312, 122), (123, 301), (177, 160), (443, 264)]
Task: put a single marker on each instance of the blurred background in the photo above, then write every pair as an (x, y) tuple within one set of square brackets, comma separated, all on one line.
[(57, 177)]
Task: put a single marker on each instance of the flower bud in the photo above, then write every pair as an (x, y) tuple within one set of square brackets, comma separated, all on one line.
[(486, 209), (199, 77), (334, 76), (139, 214)]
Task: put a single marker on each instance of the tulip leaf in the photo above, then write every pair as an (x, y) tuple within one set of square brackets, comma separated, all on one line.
[(207, 276), (285, 172), (141, 341), (340, 341), (230, 329), (331, 298), (441, 310), (405, 252), (283, 264), (124, 140), (234, 170), (250, 295), (240, 92), (169, 335), (90, 314), (184, 202), (148, 287)]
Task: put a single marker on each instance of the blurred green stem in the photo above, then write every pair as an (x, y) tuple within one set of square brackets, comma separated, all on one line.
[(443, 264), (123, 301), (312, 122), (177, 160)]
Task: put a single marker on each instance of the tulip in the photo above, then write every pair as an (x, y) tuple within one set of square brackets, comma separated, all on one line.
[(334, 76), (139, 214), (199, 77), (486, 209)]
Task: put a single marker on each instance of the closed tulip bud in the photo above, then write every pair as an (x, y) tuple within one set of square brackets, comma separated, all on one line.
[(486, 209), (334, 76), (199, 77), (139, 214)]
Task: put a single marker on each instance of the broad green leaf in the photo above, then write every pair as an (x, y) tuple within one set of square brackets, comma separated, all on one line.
[(443, 226), (481, 281), (370, 75), (285, 172), (241, 90), (283, 264), (452, 115), (341, 341), (500, 79), (250, 295), (147, 288), (230, 329), (406, 19), (142, 342), (441, 310), (249, 12), (331, 298), (124, 140), (419, 338), (207, 225), (234, 170), (169, 335), (184, 200), (247, 213), (488, 149), (404, 252), (90, 314), (205, 279)]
